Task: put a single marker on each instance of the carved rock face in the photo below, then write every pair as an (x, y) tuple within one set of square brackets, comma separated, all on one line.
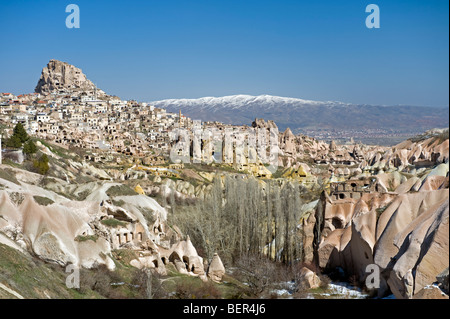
[(60, 76)]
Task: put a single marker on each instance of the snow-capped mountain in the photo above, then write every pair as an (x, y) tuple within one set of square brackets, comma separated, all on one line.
[(304, 114), (239, 102)]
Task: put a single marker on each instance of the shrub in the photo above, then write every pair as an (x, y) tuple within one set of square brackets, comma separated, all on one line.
[(20, 132), (29, 148), (41, 165), (9, 175), (81, 238), (19, 137), (99, 280), (120, 190), (43, 201), (148, 284), (112, 222), (13, 142), (257, 272), (196, 289)]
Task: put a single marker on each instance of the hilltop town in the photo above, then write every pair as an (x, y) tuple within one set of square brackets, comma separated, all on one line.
[(127, 185), (68, 110)]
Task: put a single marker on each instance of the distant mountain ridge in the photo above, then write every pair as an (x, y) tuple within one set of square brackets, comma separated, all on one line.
[(301, 114)]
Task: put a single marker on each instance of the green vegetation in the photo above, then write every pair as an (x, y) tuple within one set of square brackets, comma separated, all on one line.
[(120, 190), (81, 238), (29, 148), (33, 278), (13, 142), (57, 150), (239, 217), (112, 222), (280, 171), (381, 210), (18, 137), (41, 165), (9, 175), (443, 136), (44, 201), (82, 195), (119, 202)]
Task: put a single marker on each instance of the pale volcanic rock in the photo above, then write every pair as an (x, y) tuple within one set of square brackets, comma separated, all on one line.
[(434, 182), (360, 249), (308, 229), (338, 214), (260, 123), (8, 212), (185, 257), (425, 251), (60, 76), (308, 279), (92, 253), (397, 217), (407, 186), (346, 258), (287, 142), (430, 148), (216, 269), (440, 170), (404, 232), (391, 181), (328, 251), (436, 257), (51, 232)]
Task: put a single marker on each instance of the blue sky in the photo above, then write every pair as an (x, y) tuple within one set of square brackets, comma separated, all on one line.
[(152, 50)]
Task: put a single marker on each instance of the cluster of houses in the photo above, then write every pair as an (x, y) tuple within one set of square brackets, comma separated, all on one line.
[(106, 126), (113, 129)]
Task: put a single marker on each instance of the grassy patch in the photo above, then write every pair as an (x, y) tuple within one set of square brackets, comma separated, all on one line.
[(43, 201), (35, 279), (123, 257), (32, 278), (60, 151), (82, 195), (119, 202), (9, 175), (112, 222), (279, 173), (120, 190), (81, 238)]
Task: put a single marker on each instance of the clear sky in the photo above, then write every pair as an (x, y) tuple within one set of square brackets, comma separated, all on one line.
[(319, 50)]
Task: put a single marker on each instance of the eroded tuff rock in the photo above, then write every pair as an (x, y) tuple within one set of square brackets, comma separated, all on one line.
[(308, 279), (85, 233), (404, 232), (424, 254), (56, 233), (431, 148), (61, 77), (216, 269)]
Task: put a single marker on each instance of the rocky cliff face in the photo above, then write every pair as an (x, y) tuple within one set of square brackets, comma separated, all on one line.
[(404, 231), (428, 149), (62, 77), (38, 220)]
